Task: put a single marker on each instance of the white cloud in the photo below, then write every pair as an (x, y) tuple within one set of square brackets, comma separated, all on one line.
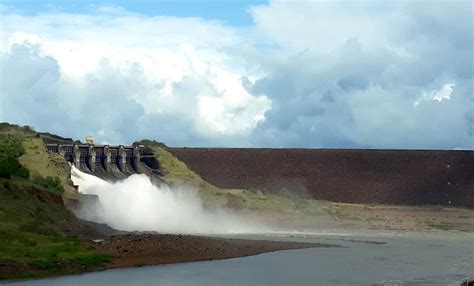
[(173, 67), (443, 93)]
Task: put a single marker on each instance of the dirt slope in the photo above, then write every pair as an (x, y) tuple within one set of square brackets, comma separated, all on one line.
[(407, 177)]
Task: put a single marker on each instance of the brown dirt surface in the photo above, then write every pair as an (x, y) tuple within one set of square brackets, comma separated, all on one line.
[(360, 216), (152, 249), (400, 177)]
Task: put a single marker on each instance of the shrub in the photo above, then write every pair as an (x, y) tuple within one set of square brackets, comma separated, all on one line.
[(234, 201), (10, 150), (49, 183), (10, 147), (45, 264), (11, 167), (93, 259)]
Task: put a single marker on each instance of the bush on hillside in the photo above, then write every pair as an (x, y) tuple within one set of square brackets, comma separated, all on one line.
[(49, 184), (10, 147), (10, 150), (11, 167), (234, 201)]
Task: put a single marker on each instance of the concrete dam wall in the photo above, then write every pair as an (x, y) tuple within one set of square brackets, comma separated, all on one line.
[(108, 162), (404, 177)]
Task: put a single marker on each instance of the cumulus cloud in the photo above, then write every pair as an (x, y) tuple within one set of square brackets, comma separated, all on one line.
[(122, 76), (348, 74), (307, 74)]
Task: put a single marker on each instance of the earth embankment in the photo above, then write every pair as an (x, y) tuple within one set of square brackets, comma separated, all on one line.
[(404, 177)]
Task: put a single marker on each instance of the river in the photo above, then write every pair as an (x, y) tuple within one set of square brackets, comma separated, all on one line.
[(366, 258)]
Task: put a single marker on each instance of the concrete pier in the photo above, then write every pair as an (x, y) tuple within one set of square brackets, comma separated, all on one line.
[(122, 158), (107, 158), (76, 156), (136, 156), (92, 156)]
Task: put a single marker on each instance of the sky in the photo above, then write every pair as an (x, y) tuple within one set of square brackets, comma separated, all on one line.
[(303, 74)]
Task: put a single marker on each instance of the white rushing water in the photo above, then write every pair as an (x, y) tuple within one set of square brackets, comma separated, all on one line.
[(135, 204)]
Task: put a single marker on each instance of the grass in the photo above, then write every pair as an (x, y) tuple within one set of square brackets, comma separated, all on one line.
[(175, 171), (31, 248), (31, 223), (51, 184), (46, 165), (32, 212), (36, 159), (449, 225)]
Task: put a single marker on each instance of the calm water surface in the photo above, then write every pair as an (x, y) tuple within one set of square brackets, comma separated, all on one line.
[(407, 258)]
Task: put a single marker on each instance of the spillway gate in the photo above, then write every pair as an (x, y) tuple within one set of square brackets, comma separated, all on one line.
[(95, 157)]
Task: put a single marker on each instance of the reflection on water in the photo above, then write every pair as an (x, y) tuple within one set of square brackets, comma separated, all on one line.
[(368, 258)]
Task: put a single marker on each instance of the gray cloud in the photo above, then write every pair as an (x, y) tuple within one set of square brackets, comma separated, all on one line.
[(28, 84), (358, 88), (34, 93)]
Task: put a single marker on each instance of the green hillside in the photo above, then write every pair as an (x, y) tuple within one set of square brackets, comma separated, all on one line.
[(33, 218)]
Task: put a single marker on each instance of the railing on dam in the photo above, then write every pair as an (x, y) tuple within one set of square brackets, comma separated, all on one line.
[(99, 156)]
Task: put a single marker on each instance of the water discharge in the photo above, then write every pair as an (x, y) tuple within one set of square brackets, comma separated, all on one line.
[(136, 204)]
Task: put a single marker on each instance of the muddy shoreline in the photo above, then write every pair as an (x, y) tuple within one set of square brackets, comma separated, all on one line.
[(131, 250), (135, 249), (146, 249)]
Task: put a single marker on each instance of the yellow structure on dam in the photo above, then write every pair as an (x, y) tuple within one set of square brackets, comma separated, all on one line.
[(90, 140)]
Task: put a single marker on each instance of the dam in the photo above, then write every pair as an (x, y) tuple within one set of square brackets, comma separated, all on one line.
[(442, 178), (397, 177), (106, 161)]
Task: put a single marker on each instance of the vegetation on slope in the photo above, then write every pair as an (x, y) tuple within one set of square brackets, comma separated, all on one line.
[(177, 172), (33, 218), (10, 150), (43, 164), (35, 159)]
